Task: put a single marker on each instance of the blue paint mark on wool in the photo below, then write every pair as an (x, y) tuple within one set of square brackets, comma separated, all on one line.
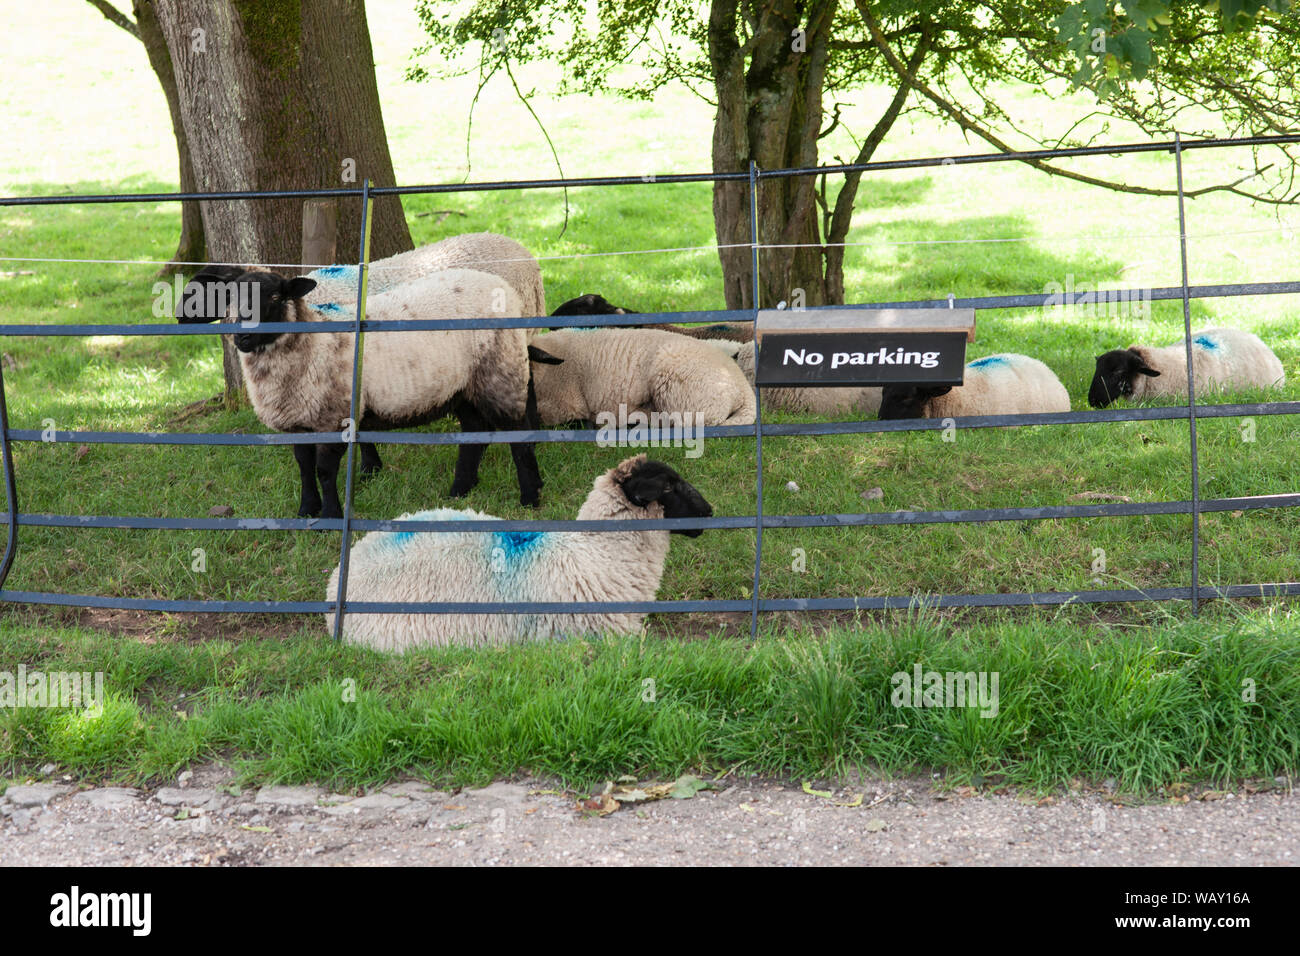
[(990, 362), (400, 539), (515, 545), (333, 308), (1205, 342), (335, 272)]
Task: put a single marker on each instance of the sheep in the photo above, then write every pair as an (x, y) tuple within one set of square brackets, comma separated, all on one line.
[(1005, 384), (302, 382), (593, 304), (487, 566), (335, 293), (1224, 358), (643, 370), (823, 401)]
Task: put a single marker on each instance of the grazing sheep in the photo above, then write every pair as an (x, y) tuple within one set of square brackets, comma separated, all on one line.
[(643, 370), (824, 401), (1223, 358), (486, 566), (303, 382), (1006, 384), (592, 304)]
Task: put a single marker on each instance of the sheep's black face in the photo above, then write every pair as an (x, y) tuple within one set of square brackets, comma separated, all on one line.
[(908, 401), (1117, 370), (655, 481), (589, 304), (264, 297)]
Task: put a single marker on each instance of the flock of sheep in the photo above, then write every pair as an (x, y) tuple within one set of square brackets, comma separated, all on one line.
[(514, 379)]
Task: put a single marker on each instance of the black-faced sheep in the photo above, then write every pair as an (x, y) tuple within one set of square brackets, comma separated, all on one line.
[(485, 566), (643, 370), (302, 382), (1006, 384), (1222, 358)]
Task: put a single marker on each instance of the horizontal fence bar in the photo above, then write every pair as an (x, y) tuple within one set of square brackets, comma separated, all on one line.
[(894, 603), (658, 438), (701, 316), (857, 519), (650, 179)]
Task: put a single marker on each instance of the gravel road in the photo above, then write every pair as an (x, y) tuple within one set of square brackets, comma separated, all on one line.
[(199, 822)]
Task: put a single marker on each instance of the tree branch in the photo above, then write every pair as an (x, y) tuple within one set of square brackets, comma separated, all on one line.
[(969, 125), (115, 16)]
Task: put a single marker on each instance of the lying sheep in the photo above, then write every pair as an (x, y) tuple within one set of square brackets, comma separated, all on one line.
[(643, 370), (1006, 384), (823, 401), (1223, 358), (303, 382), (593, 304), (485, 566)]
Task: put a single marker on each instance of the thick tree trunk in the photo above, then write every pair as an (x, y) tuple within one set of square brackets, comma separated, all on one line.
[(191, 247), (280, 95), (770, 111)]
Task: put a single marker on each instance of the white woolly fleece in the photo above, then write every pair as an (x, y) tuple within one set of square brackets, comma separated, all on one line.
[(480, 251), (504, 566), (1221, 358), (831, 400), (303, 382), (1007, 384), (643, 369)]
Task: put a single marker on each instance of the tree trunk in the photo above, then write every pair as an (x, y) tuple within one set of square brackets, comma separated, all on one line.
[(769, 111), (280, 95), (191, 247)]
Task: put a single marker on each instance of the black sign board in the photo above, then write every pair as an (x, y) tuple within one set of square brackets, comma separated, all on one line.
[(863, 346), (861, 358)]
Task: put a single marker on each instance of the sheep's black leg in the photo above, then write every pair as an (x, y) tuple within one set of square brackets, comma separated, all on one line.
[(327, 470), (305, 455), (525, 454), (469, 456), (370, 463)]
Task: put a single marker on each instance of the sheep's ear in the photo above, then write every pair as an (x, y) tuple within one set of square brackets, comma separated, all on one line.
[(194, 297), (539, 355), (299, 287), (1138, 366), (933, 391), (648, 483)]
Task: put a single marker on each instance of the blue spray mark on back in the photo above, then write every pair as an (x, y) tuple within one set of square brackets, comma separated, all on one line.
[(516, 545), (332, 308), (1205, 342), (400, 539), (334, 272), (990, 362)]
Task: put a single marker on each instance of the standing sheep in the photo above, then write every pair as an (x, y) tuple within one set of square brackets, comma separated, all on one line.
[(1006, 384), (643, 370), (303, 382), (1223, 358), (486, 566)]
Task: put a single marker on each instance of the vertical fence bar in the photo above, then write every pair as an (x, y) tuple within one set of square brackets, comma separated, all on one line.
[(362, 279), (758, 402), (11, 485), (1191, 384)]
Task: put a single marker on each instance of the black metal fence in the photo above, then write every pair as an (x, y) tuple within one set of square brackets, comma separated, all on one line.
[(1194, 505)]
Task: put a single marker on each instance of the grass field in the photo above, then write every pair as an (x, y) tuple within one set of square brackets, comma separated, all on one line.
[(969, 231)]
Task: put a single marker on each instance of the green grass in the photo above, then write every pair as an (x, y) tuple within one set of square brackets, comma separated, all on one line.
[(1147, 708), (970, 231)]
